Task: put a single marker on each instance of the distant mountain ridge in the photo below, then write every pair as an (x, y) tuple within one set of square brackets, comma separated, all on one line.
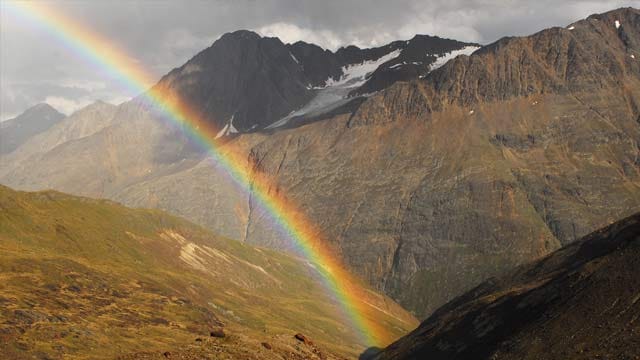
[(35, 120)]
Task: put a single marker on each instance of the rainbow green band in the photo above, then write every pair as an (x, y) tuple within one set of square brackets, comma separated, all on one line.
[(305, 237)]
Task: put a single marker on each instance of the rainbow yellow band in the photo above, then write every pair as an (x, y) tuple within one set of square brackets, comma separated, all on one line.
[(345, 288)]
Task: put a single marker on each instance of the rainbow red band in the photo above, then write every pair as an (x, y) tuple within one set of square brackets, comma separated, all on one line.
[(303, 235)]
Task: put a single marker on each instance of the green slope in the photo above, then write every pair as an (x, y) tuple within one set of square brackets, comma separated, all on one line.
[(84, 278)]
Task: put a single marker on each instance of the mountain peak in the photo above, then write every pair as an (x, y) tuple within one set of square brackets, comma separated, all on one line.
[(623, 12), (39, 109), (98, 105), (43, 106), (34, 120), (260, 81), (241, 34), (254, 80)]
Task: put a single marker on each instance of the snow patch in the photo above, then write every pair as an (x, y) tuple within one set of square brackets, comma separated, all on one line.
[(633, 56), (335, 93), (354, 75), (471, 112), (404, 63), (222, 132), (443, 58), (571, 27), (232, 129), (227, 129), (617, 24), (294, 58)]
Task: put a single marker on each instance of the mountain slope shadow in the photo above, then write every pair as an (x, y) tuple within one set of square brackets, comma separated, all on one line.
[(580, 302)]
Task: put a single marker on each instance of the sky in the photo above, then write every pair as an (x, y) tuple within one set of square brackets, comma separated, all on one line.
[(161, 35)]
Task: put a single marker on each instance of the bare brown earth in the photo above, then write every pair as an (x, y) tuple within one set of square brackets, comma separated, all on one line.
[(580, 302), (428, 187)]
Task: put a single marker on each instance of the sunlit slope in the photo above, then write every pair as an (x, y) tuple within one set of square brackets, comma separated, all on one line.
[(91, 278)]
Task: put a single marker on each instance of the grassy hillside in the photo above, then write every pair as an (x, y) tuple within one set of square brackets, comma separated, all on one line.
[(85, 278)]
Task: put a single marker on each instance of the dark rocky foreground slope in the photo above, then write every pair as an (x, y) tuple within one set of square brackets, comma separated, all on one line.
[(580, 302)]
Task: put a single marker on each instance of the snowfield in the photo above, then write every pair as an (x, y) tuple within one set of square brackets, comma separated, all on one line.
[(334, 93), (227, 129), (355, 75), (443, 58)]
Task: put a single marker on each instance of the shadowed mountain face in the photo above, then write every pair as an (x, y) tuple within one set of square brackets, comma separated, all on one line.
[(427, 187), (92, 279), (244, 82), (17, 131), (581, 302)]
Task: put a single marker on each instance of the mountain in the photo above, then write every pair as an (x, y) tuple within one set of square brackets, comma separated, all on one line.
[(14, 132), (490, 161), (245, 82), (580, 302), (84, 122), (91, 278), (427, 187), (104, 146)]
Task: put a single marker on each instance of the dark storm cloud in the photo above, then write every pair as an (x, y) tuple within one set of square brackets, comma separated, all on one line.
[(164, 34)]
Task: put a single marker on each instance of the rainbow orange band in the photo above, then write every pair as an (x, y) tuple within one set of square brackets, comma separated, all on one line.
[(304, 236)]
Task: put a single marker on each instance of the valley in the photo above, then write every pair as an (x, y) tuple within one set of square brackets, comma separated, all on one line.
[(417, 198), (443, 181)]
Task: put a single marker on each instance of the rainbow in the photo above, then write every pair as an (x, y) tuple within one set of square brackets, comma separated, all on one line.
[(305, 237)]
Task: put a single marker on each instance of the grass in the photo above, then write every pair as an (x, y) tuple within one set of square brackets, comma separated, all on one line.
[(84, 278)]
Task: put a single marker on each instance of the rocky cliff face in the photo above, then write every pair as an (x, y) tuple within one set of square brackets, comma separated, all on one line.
[(245, 82), (427, 187), (492, 160), (578, 303)]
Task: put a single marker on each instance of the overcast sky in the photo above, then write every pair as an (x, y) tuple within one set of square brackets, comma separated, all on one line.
[(35, 67)]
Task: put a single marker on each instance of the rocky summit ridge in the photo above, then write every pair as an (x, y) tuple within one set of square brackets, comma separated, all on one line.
[(245, 82)]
